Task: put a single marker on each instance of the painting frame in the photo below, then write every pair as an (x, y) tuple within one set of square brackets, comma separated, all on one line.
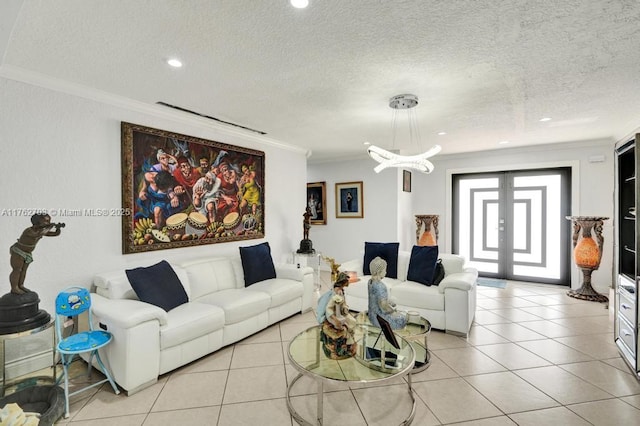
[(348, 205), (406, 181), (185, 191), (317, 202)]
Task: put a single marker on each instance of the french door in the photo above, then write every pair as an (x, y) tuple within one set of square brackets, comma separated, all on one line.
[(512, 225)]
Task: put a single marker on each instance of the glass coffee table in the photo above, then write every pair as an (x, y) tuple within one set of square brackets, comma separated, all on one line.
[(415, 332), (376, 361)]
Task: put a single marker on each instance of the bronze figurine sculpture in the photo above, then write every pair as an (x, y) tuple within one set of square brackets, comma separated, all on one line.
[(21, 256)]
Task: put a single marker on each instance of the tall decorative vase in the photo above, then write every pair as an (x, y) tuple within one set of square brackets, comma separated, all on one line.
[(587, 253), (428, 237)]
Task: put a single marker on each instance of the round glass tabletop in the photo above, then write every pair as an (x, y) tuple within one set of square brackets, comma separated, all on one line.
[(306, 355)]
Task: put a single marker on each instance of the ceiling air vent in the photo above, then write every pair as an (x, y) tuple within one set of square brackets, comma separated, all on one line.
[(210, 118)]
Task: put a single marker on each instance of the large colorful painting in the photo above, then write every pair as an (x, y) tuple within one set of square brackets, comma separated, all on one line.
[(185, 191)]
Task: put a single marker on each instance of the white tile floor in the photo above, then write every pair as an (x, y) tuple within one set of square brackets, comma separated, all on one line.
[(534, 357)]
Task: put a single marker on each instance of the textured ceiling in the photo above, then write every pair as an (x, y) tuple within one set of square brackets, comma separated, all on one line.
[(320, 78)]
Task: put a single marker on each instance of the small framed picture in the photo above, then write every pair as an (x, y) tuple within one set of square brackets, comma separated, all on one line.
[(349, 200), (406, 181), (317, 202)]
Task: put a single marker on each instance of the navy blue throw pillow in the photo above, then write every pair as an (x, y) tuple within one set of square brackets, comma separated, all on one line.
[(257, 263), (387, 251), (158, 285), (422, 264)]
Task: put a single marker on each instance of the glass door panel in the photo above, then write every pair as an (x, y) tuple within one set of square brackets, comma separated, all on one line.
[(480, 212), (512, 224)]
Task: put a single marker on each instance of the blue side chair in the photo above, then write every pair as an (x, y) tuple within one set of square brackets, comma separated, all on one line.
[(70, 303)]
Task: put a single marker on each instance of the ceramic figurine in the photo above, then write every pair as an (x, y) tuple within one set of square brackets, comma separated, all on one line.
[(379, 303), (338, 324)]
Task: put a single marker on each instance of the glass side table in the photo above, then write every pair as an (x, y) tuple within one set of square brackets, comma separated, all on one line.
[(11, 336), (313, 261)]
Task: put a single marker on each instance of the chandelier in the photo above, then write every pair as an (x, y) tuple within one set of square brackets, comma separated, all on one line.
[(387, 159)]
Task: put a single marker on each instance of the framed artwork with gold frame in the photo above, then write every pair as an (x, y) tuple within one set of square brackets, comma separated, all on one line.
[(317, 202), (185, 191), (349, 200)]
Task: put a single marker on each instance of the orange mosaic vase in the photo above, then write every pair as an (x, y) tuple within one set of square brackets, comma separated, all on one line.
[(586, 254), (427, 239)]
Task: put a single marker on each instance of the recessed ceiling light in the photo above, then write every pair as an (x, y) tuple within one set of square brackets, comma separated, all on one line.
[(174, 63), (503, 142), (442, 133), (545, 119), (299, 4), (366, 143)]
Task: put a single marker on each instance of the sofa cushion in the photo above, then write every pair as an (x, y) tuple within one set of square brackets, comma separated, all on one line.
[(239, 304), (452, 263), (403, 264), (158, 285), (209, 275), (281, 290), (416, 295), (387, 251), (190, 321), (422, 266), (116, 285), (257, 263)]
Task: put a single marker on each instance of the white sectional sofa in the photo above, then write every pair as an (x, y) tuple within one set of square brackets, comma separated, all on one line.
[(449, 306), (148, 341)]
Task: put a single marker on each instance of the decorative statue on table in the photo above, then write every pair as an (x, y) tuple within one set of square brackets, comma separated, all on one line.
[(379, 303), (337, 323), (21, 251), (19, 308), (333, 265), (306, 245)]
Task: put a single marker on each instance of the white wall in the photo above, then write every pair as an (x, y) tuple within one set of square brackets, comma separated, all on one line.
[(592, 195), (62, 151), (342, 239)]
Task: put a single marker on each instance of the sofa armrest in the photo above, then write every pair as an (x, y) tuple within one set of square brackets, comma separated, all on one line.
[(353, 265), (460, 280), (305, 276), (126, 313), (292, 272), (133, 356)]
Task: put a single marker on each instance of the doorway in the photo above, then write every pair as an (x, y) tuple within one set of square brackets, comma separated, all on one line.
[(513, 225)]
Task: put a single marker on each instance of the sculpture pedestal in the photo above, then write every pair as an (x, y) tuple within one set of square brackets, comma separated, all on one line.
[(586, 292), (306, 247), (20, 312), (587, 253)]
